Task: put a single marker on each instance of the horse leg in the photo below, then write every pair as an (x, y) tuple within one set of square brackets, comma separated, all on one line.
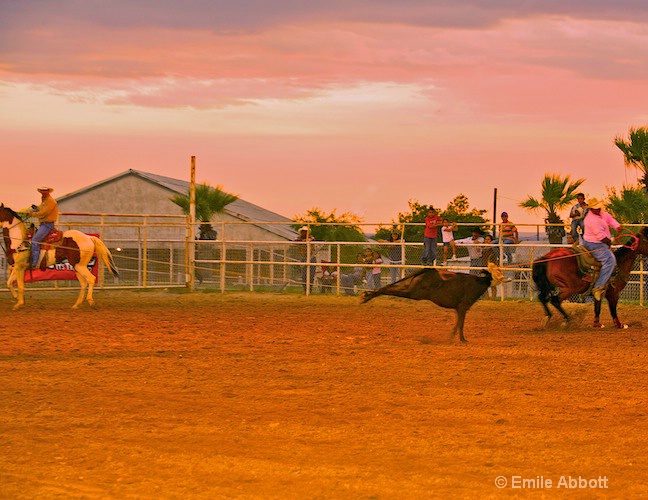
[(543, 301), (87, 281), (18, 274), (597, 313), (557, 303), (10, 282), (612, 302)]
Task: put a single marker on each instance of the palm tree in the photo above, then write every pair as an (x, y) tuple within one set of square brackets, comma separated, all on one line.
[(629, 206), (209, 201), (557, 193), (635, 151)]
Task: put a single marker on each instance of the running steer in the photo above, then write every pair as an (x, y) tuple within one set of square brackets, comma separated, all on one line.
[(456, 291)]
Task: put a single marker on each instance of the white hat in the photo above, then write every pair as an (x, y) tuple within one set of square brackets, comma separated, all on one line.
[(594, 203), (303, 228), (45, 188)]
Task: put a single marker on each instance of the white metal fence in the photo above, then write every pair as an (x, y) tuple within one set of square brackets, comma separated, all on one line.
[(154, 251)]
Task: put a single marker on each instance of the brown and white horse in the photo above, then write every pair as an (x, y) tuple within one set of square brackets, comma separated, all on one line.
[(77, 247)]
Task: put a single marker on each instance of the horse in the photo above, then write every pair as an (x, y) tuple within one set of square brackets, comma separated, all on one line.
[(557, 277), (77, 247)]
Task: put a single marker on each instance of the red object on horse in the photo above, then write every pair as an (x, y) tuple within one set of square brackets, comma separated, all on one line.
[(61, 271)]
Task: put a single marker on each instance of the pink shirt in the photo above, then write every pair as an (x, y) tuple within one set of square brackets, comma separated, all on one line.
[(597, 227)]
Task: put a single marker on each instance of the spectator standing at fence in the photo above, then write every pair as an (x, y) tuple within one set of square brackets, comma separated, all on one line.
[(447, 236), (508, 236), (598, 239), (395, 255), (430, 237), (474, 245), (302, 256), (376, 272), (47, 214), (577, 215)]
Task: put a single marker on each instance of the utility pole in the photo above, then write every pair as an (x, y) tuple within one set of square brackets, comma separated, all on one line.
[(495, 214)]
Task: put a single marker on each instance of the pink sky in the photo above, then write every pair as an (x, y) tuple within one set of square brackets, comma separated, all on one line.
[(357, 106)]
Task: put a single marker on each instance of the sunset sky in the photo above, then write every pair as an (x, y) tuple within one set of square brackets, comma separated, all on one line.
[(352, 105)]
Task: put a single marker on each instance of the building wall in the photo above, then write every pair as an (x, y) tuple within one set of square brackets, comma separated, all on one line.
[(131, 194)]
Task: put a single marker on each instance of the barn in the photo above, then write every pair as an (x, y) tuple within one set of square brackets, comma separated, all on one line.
[(133, 213), (134, 194)]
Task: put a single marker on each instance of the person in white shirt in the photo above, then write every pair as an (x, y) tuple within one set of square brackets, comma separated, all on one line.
[(577, 215), (447, 236), (474, 244)]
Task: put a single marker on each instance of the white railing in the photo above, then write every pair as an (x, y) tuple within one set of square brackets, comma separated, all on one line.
[(152, 251)]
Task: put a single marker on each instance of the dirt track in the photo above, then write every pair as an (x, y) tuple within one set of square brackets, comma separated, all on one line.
[(155, 395)]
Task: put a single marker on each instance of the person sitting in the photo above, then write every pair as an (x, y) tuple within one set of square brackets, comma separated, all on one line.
[(356, 278), (508, 236), (47, 214), (577, 215), (598, 240), (328, 278)]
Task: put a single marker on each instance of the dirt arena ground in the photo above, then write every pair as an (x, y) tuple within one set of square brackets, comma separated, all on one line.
[(163, 395)]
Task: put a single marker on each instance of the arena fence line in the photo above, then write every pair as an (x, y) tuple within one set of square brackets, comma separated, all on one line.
[(153, 251)]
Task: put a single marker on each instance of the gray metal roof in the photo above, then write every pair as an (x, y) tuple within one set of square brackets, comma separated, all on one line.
[(241, 209)]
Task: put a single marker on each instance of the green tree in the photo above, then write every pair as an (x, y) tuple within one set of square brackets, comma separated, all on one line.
[(635, 151), (458, 210), (209, 201), (333, 227), (557, 193), (629, 205), (416, 214)]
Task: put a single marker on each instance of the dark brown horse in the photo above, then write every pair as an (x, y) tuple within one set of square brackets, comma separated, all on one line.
[(557, 277)]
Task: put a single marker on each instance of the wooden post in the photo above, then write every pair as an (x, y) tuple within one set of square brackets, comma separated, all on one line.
[(192, 226)]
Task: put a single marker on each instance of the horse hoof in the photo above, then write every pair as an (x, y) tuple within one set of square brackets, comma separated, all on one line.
[(545, 321), (598, 325)]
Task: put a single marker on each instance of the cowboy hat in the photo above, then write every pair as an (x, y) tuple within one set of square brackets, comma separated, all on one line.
[(45, 188), (595, 203), (303, 228)]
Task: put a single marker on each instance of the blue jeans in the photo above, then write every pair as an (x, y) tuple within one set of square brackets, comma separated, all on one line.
[(429, 250), (394, 272), (508, 251), (576, 223), (605, 256), (42, 231)]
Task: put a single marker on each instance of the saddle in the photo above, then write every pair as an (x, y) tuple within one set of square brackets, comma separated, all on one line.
[(53, 237), (588, 267)]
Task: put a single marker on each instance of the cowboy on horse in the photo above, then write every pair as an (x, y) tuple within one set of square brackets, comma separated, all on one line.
[(598, 239), (47, 213)]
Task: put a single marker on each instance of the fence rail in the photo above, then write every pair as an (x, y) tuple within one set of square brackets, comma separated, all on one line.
[(153, 251)]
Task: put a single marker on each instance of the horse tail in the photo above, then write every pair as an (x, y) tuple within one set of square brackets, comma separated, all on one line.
[(104, 254), (539, 273)]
